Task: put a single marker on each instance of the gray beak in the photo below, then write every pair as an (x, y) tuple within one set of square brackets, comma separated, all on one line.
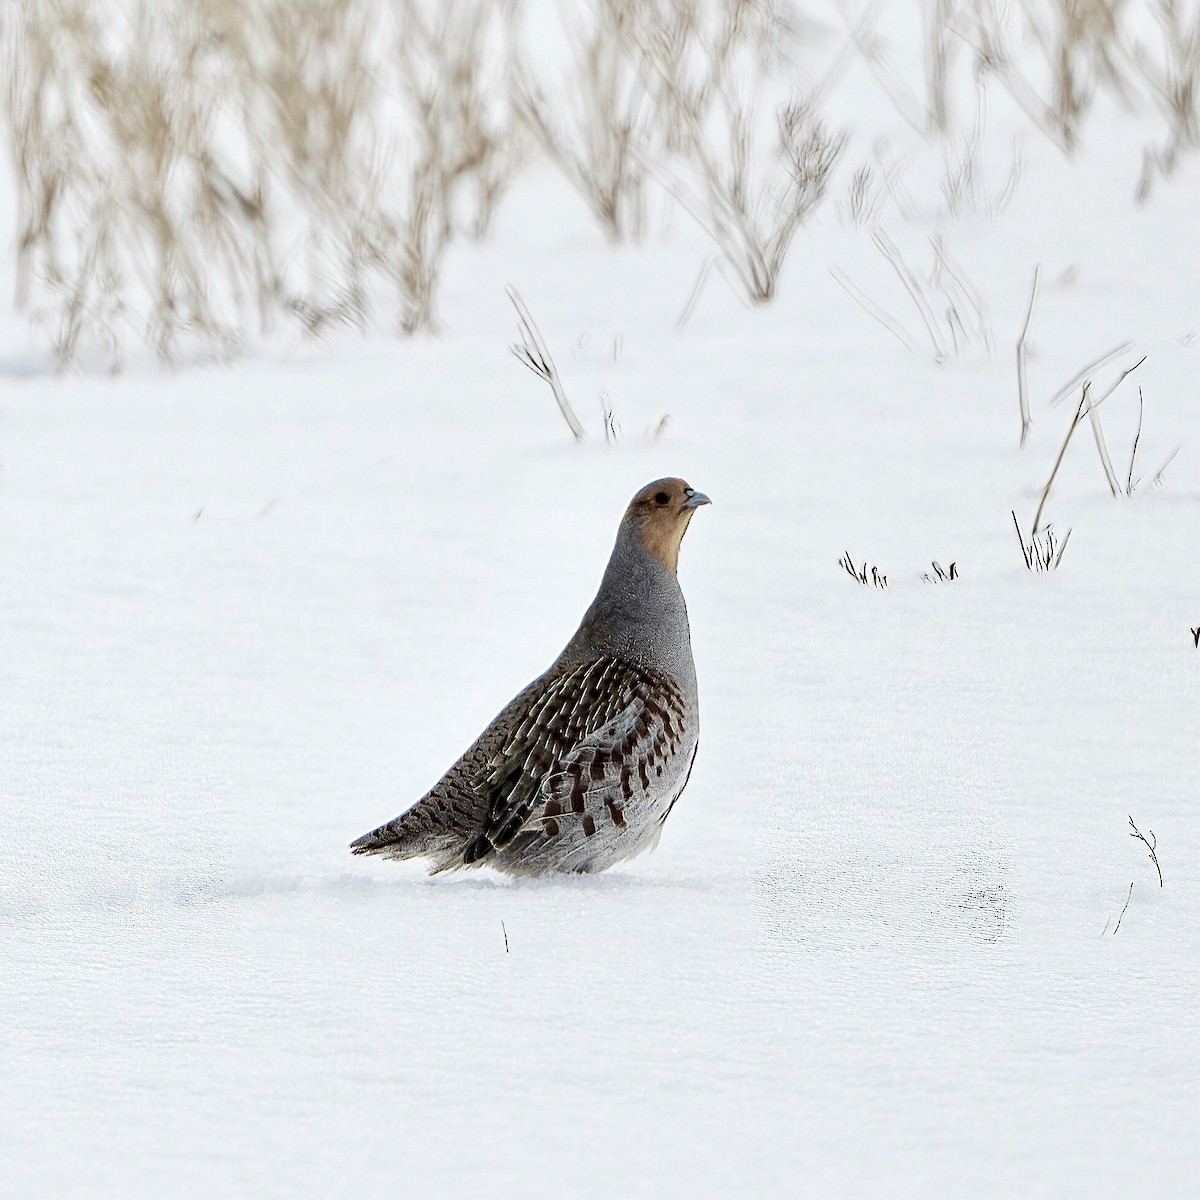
[(695, 499)]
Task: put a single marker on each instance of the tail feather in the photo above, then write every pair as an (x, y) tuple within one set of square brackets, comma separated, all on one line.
[(387, 838), (415, 834)]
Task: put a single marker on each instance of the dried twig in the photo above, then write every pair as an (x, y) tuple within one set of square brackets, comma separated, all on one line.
[(534, 354), (1150, 844)]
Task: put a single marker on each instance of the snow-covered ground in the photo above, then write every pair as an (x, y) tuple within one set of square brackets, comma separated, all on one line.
[(248, 613)]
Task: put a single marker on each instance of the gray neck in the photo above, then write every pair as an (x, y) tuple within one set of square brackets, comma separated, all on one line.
[(638, 614)]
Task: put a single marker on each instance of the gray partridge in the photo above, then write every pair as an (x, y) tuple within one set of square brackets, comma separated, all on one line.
[(581, 769)]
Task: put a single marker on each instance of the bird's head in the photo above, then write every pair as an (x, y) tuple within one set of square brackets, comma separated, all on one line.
[(659, 516)]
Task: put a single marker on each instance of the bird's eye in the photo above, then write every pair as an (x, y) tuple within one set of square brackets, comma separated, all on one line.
[(662, 498)]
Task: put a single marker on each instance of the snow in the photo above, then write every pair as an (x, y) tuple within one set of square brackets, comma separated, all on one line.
[(248, 613)]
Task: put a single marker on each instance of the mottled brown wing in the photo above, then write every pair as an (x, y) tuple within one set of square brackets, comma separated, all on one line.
[(571, 708), (615, 774)]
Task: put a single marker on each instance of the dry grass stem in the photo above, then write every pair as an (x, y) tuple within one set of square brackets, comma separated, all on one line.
[(940, 574), (1084, 373), (1129, 484), (1158, 476), (1088, 407), (189, 170), (597, 130), (1151, 844), (705, 74), (947, 303), (1110, 475), (1043, 552), (872, 309), (1075, 420), (915, 289), (865, 575), (1022, 381), (534, 354), (693, 299)]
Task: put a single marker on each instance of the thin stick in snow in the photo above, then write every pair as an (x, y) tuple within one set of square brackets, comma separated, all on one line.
[(534, 354), (1122, 916), (1022, 385), (1025, 553), (1058, 461), (1133, 452)]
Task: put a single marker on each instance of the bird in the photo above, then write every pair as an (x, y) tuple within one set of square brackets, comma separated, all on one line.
[(580, 770)]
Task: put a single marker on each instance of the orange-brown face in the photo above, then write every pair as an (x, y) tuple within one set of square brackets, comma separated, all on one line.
[(662, 510)]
